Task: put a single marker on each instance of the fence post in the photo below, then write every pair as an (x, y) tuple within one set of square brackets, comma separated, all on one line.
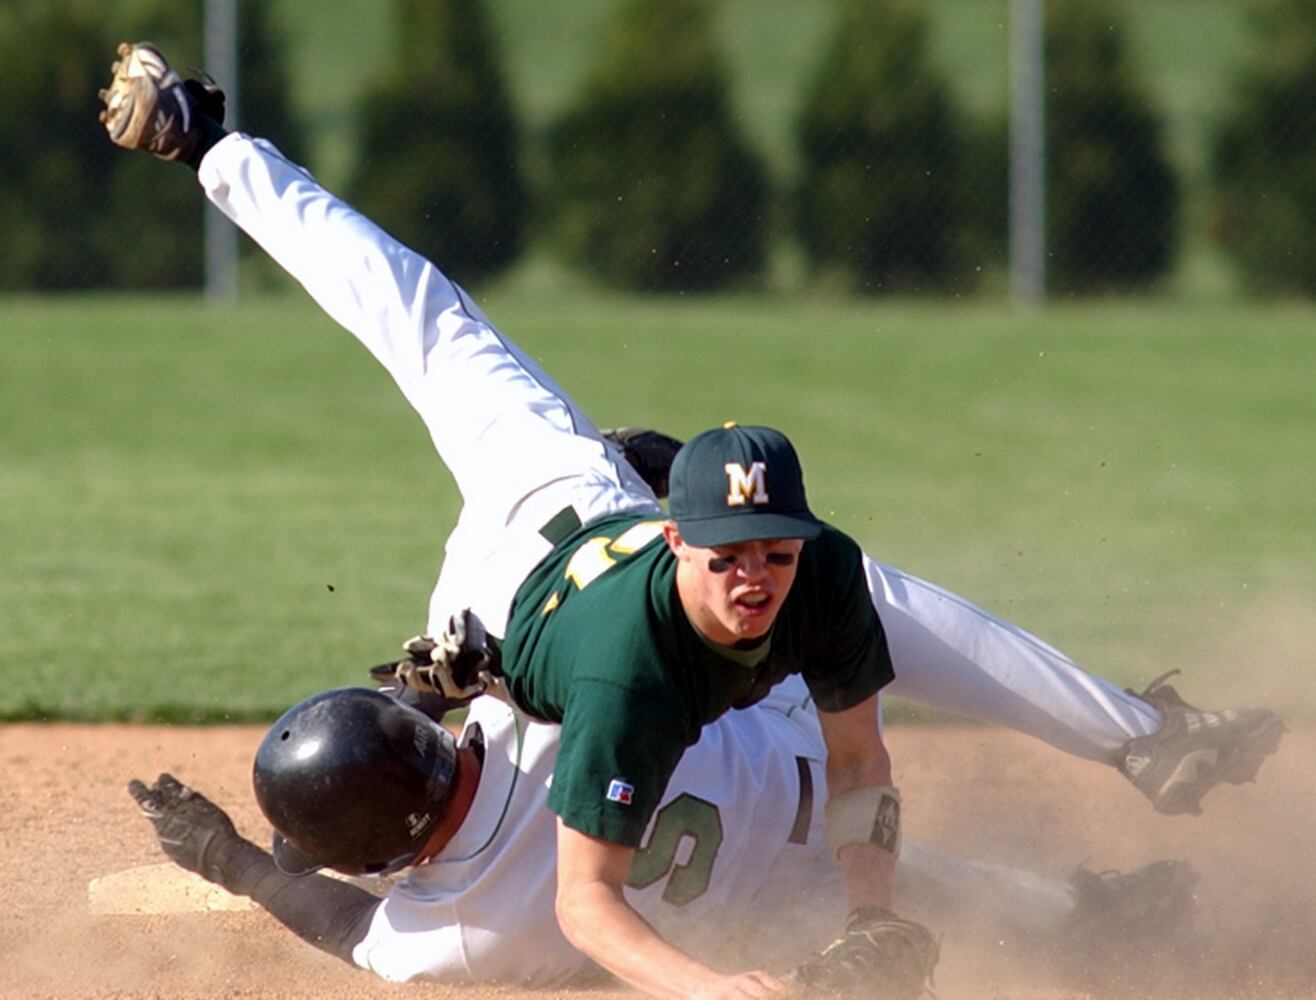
[(221, 60), (1027, 153)]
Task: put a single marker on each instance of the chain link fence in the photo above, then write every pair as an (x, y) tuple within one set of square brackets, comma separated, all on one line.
[(874, 147)]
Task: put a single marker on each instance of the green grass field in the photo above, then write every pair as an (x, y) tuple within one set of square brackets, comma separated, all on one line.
[(210, 514)]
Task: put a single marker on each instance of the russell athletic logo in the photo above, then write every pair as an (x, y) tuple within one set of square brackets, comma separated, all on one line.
[(746, 487), (620, 791)]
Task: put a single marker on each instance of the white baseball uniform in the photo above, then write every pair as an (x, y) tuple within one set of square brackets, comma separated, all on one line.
[(736, 868), (521, 451)]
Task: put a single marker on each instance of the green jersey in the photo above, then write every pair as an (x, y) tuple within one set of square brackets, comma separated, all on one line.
[(598, 641)]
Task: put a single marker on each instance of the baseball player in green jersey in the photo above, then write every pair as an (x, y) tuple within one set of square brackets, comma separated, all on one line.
[(637, 628), (701, 591), (635, 632), (619, 630)]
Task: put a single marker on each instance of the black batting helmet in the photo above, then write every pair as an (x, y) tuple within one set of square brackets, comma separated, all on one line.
[(352, 779)]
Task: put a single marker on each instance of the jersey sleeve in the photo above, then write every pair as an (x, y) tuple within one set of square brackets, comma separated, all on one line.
[(409, 940), (851, 660), (619, 746)]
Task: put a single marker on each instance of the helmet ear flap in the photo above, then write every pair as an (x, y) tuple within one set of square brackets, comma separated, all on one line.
[(354, 780), (289, 860)]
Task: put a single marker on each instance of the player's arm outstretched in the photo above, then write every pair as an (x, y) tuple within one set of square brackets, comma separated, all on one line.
[(198, 835)]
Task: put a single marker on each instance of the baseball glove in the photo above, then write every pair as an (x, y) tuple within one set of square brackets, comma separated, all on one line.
[(457, 665), (880, 955)]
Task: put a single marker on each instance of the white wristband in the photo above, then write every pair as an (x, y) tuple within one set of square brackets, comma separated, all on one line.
[(865, 816)]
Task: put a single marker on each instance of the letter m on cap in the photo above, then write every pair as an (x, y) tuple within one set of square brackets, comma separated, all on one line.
[(746, 487)]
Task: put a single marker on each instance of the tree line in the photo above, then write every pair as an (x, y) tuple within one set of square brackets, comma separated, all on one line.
[(647, 181)]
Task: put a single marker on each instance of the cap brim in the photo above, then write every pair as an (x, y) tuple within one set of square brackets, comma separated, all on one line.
[(732, 529), (292, 861)]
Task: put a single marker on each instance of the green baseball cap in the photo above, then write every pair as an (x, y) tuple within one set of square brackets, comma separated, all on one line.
[(739, 484)]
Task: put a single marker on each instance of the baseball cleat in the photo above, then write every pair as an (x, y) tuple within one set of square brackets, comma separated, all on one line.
[(1194, 751), (1126, 925), (149, 106), (1161, 893)]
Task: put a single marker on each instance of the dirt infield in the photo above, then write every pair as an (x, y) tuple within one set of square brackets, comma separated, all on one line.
[(65, 819)]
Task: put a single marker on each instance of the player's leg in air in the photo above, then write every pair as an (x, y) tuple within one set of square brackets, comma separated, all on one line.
[(527, 461), (956, 657)]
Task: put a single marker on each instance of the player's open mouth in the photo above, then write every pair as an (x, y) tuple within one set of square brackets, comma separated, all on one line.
[(754, 603)]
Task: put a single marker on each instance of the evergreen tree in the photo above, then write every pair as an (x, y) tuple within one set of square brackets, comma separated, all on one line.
[(72, 202), (56, 156), (1112, 196), (1265, 154), (265, 100), (438, 143), (883, 197), (652, 187)]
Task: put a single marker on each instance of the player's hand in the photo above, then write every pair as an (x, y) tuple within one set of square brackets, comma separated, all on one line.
[(880, 955), (458, 664), (194, 832)]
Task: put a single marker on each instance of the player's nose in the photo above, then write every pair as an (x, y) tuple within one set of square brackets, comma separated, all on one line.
[(753, 564)]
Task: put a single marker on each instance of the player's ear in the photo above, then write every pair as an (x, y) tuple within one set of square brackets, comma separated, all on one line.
[(672, 536)]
